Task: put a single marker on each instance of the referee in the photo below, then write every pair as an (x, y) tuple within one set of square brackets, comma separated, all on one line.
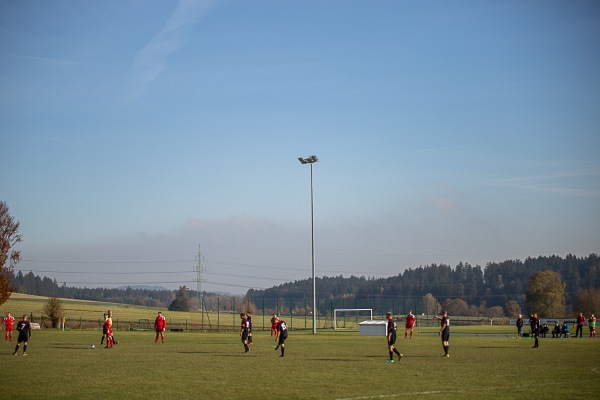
[(445, 332)]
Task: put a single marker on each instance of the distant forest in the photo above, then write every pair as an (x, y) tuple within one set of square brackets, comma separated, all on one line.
[(493, 285)]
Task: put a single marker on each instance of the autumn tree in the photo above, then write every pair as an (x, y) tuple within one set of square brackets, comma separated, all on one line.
[(546, 294), (587, 302), (181, 301), (512, 309), (9, 237), (430, 304), (54, 311), (456, 307)]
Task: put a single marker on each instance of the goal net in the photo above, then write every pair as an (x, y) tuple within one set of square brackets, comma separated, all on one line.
[(351, 310)]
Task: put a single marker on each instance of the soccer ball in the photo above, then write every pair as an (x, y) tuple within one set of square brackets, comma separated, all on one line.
[(93, 346)]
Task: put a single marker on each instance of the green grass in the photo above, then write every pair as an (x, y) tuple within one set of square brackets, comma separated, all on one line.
[(330, 365)]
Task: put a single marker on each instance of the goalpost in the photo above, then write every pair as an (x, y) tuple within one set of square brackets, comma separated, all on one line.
[(335, 311)]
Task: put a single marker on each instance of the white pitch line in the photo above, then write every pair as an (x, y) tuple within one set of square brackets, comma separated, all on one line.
[(386, 396)]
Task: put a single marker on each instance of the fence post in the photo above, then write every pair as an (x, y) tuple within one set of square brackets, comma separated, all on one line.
[(305, 327), (233, 313)]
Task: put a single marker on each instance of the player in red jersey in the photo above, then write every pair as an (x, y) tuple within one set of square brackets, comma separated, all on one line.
[(592, 326), (410, 324), (108, 329), (8, 322), (160, 325), (274, 321)]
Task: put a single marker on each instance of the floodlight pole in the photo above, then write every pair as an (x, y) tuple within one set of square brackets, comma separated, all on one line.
[(311, 160)]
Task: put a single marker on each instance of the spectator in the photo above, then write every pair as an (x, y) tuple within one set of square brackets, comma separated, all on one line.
[(565, 330), (580, 322), (520, 326), (556, 331), (544, 330)]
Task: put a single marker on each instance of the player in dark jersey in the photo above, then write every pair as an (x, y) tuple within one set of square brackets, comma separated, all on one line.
[(244, 331), (280, 335), (24, 328), (249, 318), (391, 337), (103, 329), (445, 332), (535, 328)]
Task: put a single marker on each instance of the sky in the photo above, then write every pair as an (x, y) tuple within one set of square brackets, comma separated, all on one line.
[(136, 133)]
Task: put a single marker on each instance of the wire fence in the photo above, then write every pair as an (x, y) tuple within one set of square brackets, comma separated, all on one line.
[(225, 315)]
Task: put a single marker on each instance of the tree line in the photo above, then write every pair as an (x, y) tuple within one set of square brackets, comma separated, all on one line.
[(497, 290), (492, 286)]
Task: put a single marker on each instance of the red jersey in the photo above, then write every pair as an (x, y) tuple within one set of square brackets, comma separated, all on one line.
[(160, 323), (274, 324), (108, 326), (410, 321), (8, 321), (580, 320)]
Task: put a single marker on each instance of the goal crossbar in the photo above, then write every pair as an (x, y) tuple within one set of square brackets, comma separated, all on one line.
[(335, 311)]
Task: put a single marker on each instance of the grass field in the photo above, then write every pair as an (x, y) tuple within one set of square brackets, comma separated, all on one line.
[(330, 365)]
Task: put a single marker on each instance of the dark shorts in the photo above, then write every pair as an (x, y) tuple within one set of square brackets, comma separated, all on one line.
[(445, 335), (244, 336), (282, 337), (393, 341), (23, 337)]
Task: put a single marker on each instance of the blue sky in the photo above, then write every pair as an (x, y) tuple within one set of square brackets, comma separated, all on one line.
[(133, 131)]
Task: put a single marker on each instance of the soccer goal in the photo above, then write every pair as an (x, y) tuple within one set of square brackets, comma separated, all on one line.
[(346, 310)]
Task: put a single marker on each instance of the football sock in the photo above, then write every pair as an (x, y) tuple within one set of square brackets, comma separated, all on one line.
[(246, 347), (282, 351), (17, 348), (446, 349), (396, 351), (102, 340), (392, 355), (24, 348)]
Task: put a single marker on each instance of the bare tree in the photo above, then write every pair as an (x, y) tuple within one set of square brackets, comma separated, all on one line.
[(54, 311), (9, 237)]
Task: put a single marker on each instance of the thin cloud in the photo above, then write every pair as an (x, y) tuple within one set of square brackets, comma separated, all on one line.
[(46, 60), (443, 203), (152, 60), (568, 182)]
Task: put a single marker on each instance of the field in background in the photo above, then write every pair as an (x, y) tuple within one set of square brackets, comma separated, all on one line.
[(84, 315)]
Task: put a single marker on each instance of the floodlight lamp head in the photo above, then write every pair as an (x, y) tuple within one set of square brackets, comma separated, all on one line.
[(309, 160)]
